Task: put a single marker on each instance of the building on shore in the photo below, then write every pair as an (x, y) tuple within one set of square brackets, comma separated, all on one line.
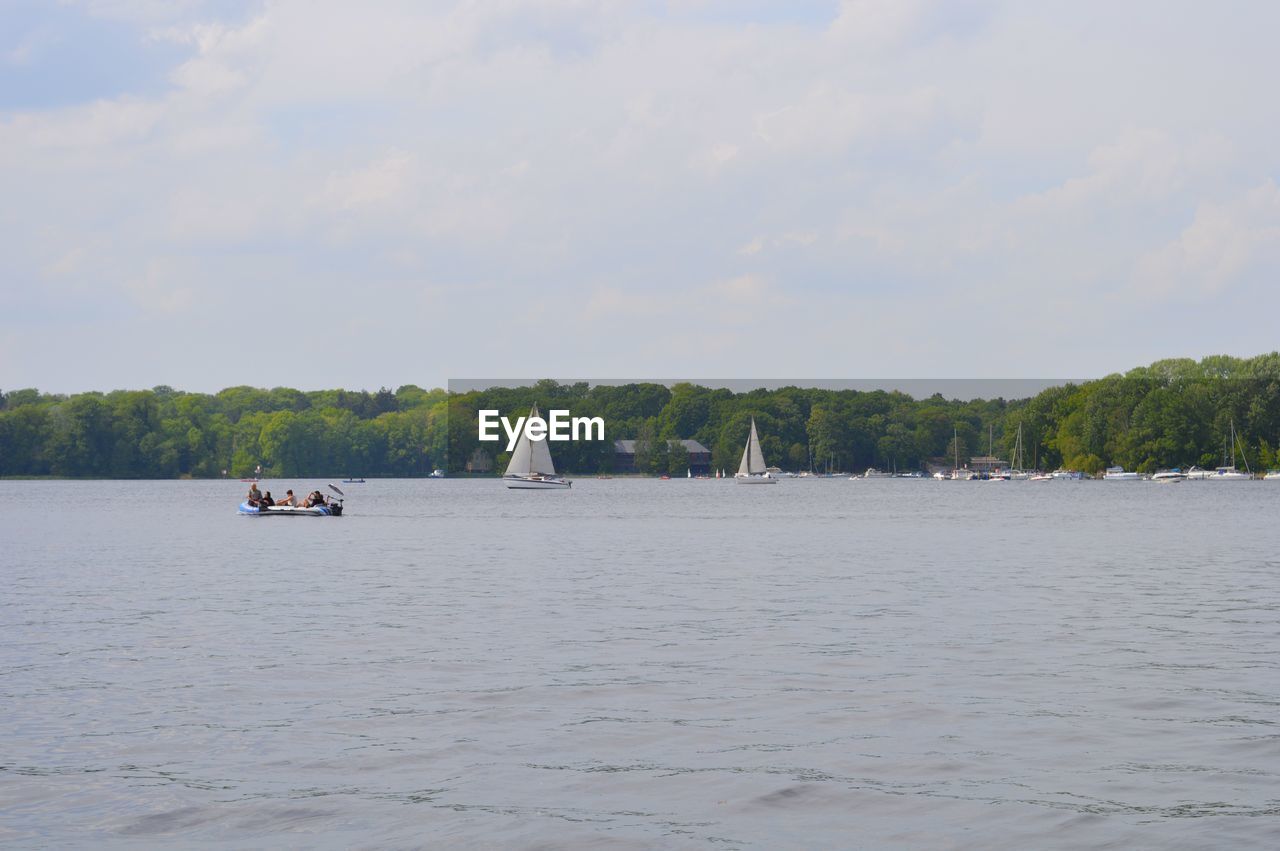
[(624, 456), (479, 462), (983, 464)]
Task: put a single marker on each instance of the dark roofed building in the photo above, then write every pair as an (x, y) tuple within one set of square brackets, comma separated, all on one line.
[(624, 456)]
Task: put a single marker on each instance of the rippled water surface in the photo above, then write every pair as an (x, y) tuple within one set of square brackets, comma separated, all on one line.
[(641, 664)]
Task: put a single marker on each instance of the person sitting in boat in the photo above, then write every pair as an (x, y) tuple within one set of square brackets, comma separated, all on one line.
[(267, 500), (314, 498), (288, 499), (255, 495)]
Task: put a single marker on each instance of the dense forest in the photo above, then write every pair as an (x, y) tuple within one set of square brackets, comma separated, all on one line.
[(1172, 413)]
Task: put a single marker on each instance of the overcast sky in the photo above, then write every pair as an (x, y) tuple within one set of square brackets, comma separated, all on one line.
[(321, 194)]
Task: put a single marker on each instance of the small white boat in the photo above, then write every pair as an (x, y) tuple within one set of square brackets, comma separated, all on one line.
[(941, 476), (873, 473), (1272, 475), (1118, 474), (1041, 477), (436, 474), (752, 470), (963, 475), (1218, 474), (1067, 475), (531, 467), (1169, 477)]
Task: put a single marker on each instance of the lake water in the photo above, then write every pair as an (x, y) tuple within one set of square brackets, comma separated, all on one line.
[(643, 664)]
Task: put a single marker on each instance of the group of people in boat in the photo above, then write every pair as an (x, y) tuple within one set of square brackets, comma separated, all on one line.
[(263, 500)]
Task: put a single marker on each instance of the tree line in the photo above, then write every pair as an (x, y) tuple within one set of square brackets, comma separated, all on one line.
[(164, 433), (1172, 413)]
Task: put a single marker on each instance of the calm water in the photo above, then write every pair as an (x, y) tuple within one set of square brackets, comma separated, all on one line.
[(640, 664)]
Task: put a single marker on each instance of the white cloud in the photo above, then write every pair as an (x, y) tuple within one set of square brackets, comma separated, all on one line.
[(914, 162), (374, 185), (1225, 243)]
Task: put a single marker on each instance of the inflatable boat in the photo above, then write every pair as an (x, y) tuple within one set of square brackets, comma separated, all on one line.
[(333, 509)]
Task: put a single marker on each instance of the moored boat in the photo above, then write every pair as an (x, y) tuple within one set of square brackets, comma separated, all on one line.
[(1218, 474), (1119, 474), (1227, 472)]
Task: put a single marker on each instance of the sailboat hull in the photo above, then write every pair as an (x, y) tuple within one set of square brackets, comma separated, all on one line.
[(536, 483), (755, 480)]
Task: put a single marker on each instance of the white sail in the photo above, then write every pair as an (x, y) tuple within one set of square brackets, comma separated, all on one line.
[(752, 457), (531, 457), (540, 463), (520, 457)]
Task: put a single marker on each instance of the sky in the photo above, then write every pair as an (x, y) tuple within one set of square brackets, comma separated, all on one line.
[(327, 194)]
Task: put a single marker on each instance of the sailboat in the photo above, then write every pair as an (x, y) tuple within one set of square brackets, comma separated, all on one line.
[(531, 467), (752, 470), (1225, 473), (1017, 473), (957, 474)]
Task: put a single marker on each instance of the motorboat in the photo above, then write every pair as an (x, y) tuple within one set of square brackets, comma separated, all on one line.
[(873, 473), (1119, 474), (1067, 475), (1218, 474), (1168, 477)]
